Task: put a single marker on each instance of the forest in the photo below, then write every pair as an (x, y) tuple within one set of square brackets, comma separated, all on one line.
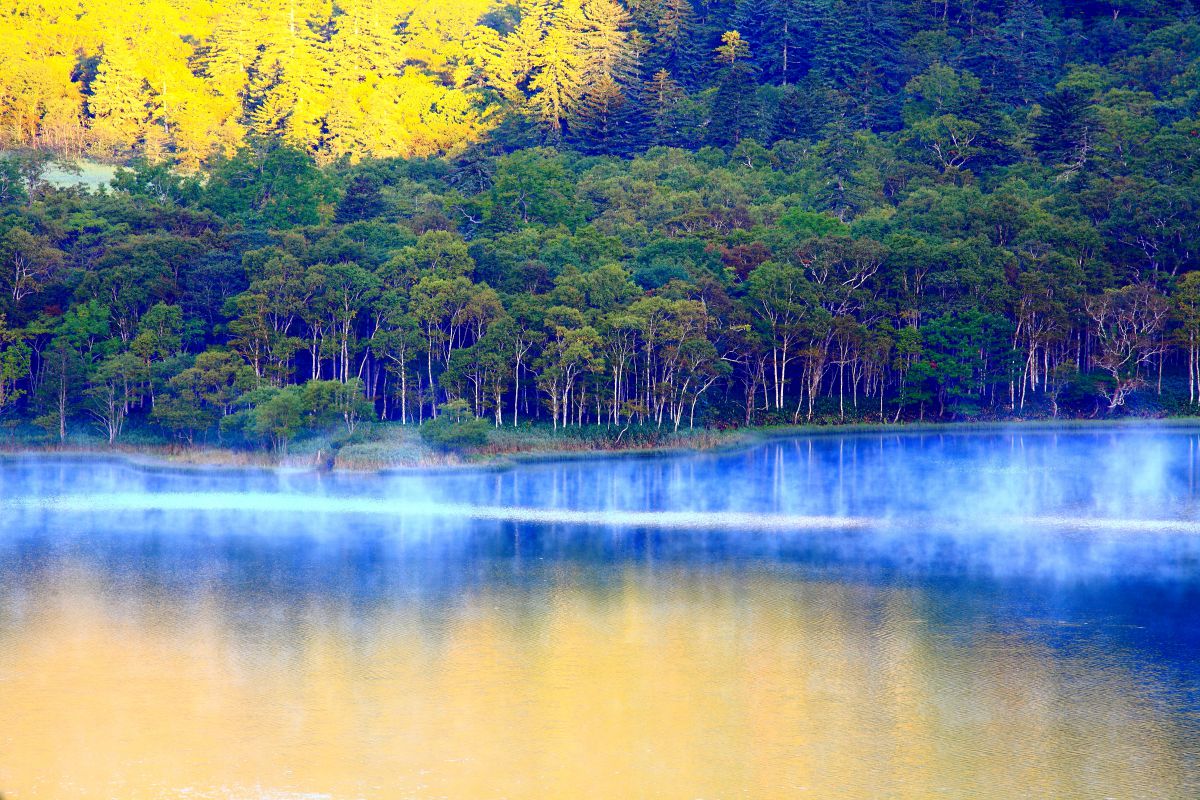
[(572, 213)]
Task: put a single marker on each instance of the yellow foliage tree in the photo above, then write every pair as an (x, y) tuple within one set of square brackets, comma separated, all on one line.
[(119, 105), (179, 79)]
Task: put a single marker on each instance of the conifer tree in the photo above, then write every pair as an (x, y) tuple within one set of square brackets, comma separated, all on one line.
[(605, 45), (663, 99), (1024, 61), (557, 79), (1064, 129), (290, 88), (603, 123), (363, 200), (767, 29), (736, 110), (733, 48), (119, 102), (840, 46), (674, 40)]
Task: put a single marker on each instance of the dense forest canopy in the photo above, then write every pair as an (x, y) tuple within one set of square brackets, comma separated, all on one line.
[(592, 212), (181, 80)]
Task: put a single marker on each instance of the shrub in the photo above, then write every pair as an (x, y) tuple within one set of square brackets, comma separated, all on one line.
[(455, 428)]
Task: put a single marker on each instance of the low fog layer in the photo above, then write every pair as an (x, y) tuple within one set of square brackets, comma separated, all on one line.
[(1003, 502)]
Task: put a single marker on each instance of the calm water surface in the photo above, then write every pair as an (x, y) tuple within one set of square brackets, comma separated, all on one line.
[(1008, 616)]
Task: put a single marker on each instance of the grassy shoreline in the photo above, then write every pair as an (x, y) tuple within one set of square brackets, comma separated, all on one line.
[(395, 448)]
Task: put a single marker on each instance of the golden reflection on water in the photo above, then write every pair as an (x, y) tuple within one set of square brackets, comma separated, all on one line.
[(666, 685)]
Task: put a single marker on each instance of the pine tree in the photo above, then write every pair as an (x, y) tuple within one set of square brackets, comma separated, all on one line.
[(364, 43), (603, 123), (733, 48), (605, 45), (119, 102), (225, 59), (483, 67), (736, 109), (806, 107), (886, 34), (801, 32), (838, 158), (291, 85), (840, 49), (675, 42), (1064, 129), (518, 58), (1025, 58), (557, 81), (270, 101), (765, 26), (663, 98)]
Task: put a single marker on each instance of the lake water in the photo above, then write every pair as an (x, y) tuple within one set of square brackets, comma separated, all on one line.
[(999, 615)]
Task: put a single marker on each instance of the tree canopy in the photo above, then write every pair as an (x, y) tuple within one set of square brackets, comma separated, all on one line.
[(597, 213)]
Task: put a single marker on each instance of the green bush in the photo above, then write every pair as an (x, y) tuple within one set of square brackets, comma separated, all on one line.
[(455, 428)]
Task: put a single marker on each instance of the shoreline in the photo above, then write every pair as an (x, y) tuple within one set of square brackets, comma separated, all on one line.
[(202, 458)]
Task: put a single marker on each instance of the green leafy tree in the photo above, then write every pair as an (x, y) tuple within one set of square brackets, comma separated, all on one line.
[(343, 401), (571, 350), (199, 397), (273, 415), (533, 186), (114, 385), (1186, 301), (78, 340), (962, 355), (14, 364), (1128, 325), (275, 186), (12, 186), (348, 290), (782, 299), (455, 428), (181, 409), (31, 262)]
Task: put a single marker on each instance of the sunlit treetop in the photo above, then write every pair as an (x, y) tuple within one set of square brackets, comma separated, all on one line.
[(179, 79), (176, 81)]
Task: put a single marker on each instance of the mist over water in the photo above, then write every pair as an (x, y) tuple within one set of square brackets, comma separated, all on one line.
[(1116, 501), (978, 614)]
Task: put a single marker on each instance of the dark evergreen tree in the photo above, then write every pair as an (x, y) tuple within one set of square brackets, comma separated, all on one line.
[(664, 98), (841, 44), (764, 24), (363, 200), (1025, 55), (736, 109), (677, 43), (804, 108), (836, 159), (606, 121), (887, 31), (1064, 129)]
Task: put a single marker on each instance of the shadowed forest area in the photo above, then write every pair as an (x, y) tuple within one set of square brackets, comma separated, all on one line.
[(648, 216)]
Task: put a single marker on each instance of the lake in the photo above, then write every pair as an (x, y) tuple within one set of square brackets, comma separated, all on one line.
[(998, 615)]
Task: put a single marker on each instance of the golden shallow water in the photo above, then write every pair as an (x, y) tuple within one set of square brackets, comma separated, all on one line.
[(656, 683)]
